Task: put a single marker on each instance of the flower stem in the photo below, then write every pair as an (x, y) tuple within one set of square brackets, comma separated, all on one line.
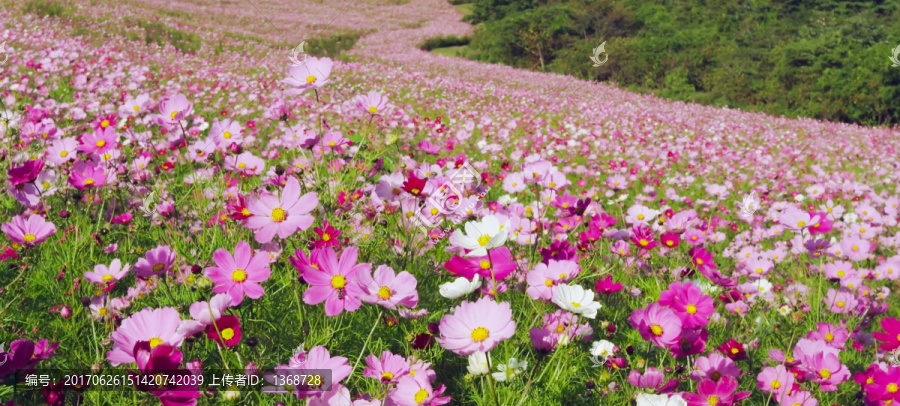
[(366, 344), (491, 382)]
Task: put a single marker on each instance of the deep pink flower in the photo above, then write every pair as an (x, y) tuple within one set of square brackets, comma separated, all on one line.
[(777, 381), (239, 274), (319, 358), (496, 265), (719, 393), (477, 326), (282, 216), (100, 141), (657, 324), (225, 331), (153, 360), (415, 391), (30, 231), (890, 338), (642, 236), (27, 172), (87, 175), (334, 282), (690, 304), (104, 275), (607, 286)]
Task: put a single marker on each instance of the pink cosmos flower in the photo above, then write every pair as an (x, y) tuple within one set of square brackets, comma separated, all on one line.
[(334, 282), (657, 324), (690, 304), (798, 398), (840, 301), (415, 390), (27, 172), (496, 265), (386, 288), (87, 175), (319, 358), (156, 326), (29, 231), (203, 313), (156, 261), (173, 109), (271, 215), (373, 103), (885, 385), (103, 274), (62, 150), (245, 163), (100, 141), (890, 338), (714, 367), (312, 74), (389, 369), (152, 360), (719, 393), (777, 381), (477, 326), (239, 274), (226, 132), (134, 105)]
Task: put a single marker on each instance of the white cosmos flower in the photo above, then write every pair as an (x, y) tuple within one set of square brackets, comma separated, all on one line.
[(602, 349), (850, 217), (576, 299), (506, 372), (478, 363), (460, 287), (480, 236), (646, 399)]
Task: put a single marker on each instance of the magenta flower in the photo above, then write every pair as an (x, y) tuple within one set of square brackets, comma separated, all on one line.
[(386, 288), (283, 216), (103, 274), (415, 391), (203, 313), (689, 303), (334, 282), (30, 231), (100, 141), (714, 367), (657, 324), (27, 172), (642, 236), (156, 326), (239, 274), (311, 74), (885, 385), (720, 393), (477, 326), (496, 265), (389, 369), (372, 103), (153, 360), (890, 338), (652, 379), (156, 261), (87, 175)]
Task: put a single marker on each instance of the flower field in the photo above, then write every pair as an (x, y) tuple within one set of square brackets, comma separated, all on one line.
[(182, 196)]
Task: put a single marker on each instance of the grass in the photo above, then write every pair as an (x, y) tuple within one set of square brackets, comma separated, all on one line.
[(465, 8), (47, 8)]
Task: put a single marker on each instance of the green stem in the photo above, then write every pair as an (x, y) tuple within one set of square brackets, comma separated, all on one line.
[(366, 344), (491, 381)]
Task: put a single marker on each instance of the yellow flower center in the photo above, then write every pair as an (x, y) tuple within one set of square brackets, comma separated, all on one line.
[(775, 384), (29, 237), (670, 243), (480, 334), (136, 107), (102, 311), (892, 388), (841, 274), (656, 330), (713, 400), (172, 116), (245, 212), (226, 135), (107, 278), (691, 309), (560, 328), (699, 261), (829, 337), (326, 237), (338, 282), (310, 79), (644, 242), (421, 395), (640, 216), (387, 376), (155, 341), (104, 123), (101, 143), (825, 374), (63, 153), (576, 305), (278, 214), (483, 240), (548, 282), (158, 267), (242, 165), (384, 292), (239, 275), (228, 333), (840, 303), (373, 109), (484, 264), (801, 223)]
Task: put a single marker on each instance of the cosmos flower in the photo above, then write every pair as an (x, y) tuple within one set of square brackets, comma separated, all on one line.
[(29, 231), (576, 299), (373, 103), (476, 326), (156, 326), (312, 74), (271, 215), (334, 281), (103, 274), (657, 324), (240, 274), (480, 236), (156, 261)]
